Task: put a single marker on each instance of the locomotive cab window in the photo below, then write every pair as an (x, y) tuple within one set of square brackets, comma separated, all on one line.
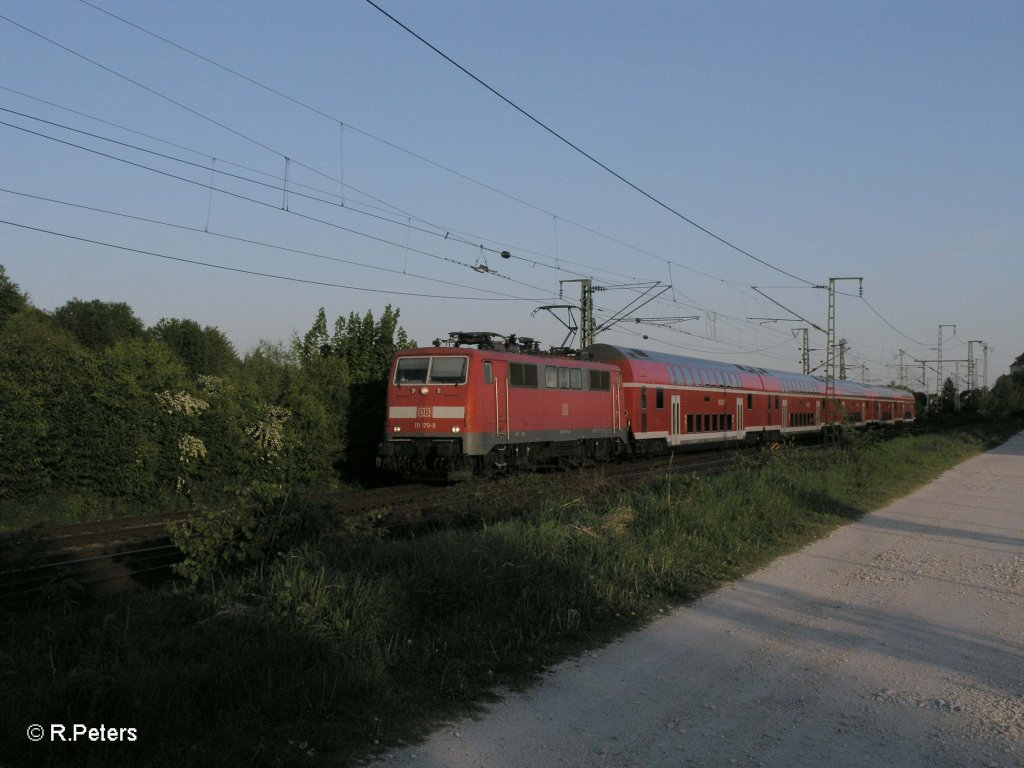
[(431, 370), (448, 370), (412, 370), (600, 380)]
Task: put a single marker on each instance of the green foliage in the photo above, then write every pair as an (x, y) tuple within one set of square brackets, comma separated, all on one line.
[(351, 367), (93, 405), (98, 324), (335, 644), (12, 299), (214, 542), (204, 350), (44, 377), (946, 402), (1006, 398)]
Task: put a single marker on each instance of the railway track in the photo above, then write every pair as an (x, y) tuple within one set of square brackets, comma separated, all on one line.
[(107, 556), (120, 555)]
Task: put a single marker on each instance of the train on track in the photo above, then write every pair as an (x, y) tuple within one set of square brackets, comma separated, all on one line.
[(484, 403)]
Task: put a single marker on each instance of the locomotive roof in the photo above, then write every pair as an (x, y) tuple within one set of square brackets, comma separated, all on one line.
[(798, 382)]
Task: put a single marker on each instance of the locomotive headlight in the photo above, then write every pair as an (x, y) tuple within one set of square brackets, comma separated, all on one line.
[(424, 390), (456, 429), (396, 429)]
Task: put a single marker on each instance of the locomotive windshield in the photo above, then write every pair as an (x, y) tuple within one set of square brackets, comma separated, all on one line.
[(431, 370)]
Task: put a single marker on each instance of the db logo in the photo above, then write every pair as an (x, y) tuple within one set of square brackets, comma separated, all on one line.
[(423, 413)]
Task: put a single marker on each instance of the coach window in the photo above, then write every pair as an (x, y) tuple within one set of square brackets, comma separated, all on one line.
[(488, 372), (563, 378), (659, 398), (575, 378), (643, 397), (550, 377), (776, 402), (714, 422), (689, 422), (522, 375), (707, 422), (750, 402)]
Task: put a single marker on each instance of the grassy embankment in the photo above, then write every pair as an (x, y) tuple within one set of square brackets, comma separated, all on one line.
[(331, 648)]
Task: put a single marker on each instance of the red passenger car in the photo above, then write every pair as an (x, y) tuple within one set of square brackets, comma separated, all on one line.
[(673, 401)]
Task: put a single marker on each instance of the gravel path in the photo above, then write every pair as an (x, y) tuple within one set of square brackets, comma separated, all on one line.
[(896, 641)]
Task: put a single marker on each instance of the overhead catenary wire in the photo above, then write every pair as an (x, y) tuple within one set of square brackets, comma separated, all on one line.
[(260, 202), (250, 241), (587, 155), (343, 125), (558, 261), (196, 262)]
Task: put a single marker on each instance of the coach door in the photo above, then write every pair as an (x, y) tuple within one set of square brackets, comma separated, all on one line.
[(676, 415), (497, 371), (739, 415), (785, 414)]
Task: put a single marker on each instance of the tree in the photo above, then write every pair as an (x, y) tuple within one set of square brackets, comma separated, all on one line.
[(44, 378), (947, 397), (98, 324), (12, 299), (351, 368), (205, 351)]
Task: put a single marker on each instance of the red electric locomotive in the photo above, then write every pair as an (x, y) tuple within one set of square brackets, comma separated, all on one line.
[(455, 410)]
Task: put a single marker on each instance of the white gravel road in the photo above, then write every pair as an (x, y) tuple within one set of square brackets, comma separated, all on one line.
[(896, 641)]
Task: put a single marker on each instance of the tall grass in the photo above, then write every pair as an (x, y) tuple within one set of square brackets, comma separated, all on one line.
[(334, 646)]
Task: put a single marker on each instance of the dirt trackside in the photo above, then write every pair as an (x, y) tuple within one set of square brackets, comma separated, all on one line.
[(896, 641)]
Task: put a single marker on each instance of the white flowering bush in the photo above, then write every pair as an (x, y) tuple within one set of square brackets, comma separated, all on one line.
[(181, 403), (268, 432)]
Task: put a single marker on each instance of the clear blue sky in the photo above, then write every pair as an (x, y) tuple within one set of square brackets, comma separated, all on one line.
[(872, 139)]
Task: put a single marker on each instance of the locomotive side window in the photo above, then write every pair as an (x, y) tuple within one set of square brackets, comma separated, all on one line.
[(448, 370), (600, 380), (522, 375), (575, 378), (550, 377), (563, 378), (412, 370), (488, 372)]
